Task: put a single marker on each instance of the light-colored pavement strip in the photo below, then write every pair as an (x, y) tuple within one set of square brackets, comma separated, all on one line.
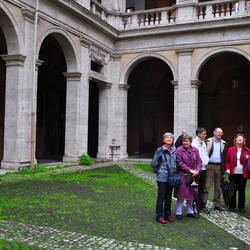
[(50, 238)]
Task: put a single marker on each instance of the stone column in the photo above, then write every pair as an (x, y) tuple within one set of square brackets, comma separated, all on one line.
[(123, 119), (74, 116), (186, 95), (15, 152), (194, 103), (105, 120)]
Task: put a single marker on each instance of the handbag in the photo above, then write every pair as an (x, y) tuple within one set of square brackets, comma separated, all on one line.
[(188, 176), (173, 180)]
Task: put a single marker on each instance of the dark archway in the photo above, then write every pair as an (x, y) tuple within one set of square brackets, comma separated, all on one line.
[(3, 51), (150, 106), (51, 101), (219, 104), (93, 119)]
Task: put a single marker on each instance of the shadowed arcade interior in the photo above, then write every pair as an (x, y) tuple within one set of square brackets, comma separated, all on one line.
[(51, 101), (220, 103), (150, 106)]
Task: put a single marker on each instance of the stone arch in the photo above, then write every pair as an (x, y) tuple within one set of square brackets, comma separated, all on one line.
[(207, 56), (217, 97), (11, 31), (138, 59), (67, 44), (150, 96)]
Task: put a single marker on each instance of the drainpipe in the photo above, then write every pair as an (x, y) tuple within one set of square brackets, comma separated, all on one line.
[(33, 111)]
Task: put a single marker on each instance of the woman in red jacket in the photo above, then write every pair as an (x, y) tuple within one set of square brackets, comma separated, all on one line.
[(236, 168)]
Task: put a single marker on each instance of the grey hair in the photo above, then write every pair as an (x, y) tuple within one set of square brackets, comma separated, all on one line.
[(186, 136), (168, 133)]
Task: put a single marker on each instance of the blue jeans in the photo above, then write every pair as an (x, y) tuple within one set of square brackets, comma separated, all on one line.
[(163, 204)]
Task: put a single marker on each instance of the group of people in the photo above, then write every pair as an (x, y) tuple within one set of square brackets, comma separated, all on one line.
[(207, 160)]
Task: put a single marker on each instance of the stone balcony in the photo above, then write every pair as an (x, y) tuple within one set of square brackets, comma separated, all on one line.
[(184, 11)]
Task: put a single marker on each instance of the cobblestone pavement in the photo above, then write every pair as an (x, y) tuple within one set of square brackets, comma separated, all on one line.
[(50, 238)]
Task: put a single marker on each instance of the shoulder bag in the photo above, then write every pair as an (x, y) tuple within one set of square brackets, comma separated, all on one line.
[(173, 180)]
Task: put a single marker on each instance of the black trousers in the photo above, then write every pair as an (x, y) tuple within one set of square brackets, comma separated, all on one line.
[(240, 183)]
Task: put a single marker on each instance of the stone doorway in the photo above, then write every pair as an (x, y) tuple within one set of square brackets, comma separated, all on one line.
[(150, 106), (51, 101), (93, 119), (221, 104), (3, 51)]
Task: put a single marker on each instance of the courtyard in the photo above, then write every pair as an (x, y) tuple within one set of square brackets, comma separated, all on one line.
[(105, 206)]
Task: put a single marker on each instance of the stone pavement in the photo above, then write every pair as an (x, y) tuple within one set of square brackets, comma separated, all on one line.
[(50, 238)]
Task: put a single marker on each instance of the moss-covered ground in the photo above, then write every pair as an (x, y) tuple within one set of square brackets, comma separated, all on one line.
[(108, 202)]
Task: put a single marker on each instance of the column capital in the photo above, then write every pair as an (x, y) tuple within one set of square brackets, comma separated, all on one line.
[(175, 84), (124, 87), (38, 63), (104, 85), (28, 15), (115, 56), (85, 41), (195, 83), (73, 76), (14, 60), (187, 51)]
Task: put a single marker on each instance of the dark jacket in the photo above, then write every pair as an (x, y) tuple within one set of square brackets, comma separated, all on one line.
[(178, 142), (161, 159)]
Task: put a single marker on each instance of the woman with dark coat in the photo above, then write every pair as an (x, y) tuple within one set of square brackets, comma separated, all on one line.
[(188, 161), (164, 159), (236, 168)]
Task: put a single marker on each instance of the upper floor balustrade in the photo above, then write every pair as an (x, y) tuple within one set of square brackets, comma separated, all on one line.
[(180, 13)]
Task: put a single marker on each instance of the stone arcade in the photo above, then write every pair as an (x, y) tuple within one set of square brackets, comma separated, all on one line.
[(108, 78)]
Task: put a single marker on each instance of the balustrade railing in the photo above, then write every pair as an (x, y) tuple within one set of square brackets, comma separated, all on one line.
[(147, 18), (99, 10), (216, 9)]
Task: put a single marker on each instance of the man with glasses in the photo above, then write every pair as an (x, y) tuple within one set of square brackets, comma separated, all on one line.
[(199, 142), (216, 148)]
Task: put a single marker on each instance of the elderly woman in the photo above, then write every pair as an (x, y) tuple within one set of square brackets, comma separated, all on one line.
[(164, 155), (236, 168), (188, 161)]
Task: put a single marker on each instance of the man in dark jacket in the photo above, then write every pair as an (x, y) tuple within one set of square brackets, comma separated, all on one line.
[(178, 142)]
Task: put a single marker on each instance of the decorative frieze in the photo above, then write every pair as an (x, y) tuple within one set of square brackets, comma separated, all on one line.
[(98, 56)]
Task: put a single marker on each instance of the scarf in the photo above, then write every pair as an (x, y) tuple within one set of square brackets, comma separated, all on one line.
[(242, 156)]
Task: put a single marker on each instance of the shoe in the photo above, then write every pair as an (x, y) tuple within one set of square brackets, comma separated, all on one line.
[(205, 210), (170, 219), (161, 220), (219, 208), (231, 209), (179, 216), (242, 210), (192, 216)]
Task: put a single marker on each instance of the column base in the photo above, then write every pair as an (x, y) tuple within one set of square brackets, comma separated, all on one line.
[(15, 165), (71, 159)]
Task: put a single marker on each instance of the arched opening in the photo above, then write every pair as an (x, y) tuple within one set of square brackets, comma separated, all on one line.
[(51, 101), (93, 119), (222, 103), (3, 51), (150, 106)]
